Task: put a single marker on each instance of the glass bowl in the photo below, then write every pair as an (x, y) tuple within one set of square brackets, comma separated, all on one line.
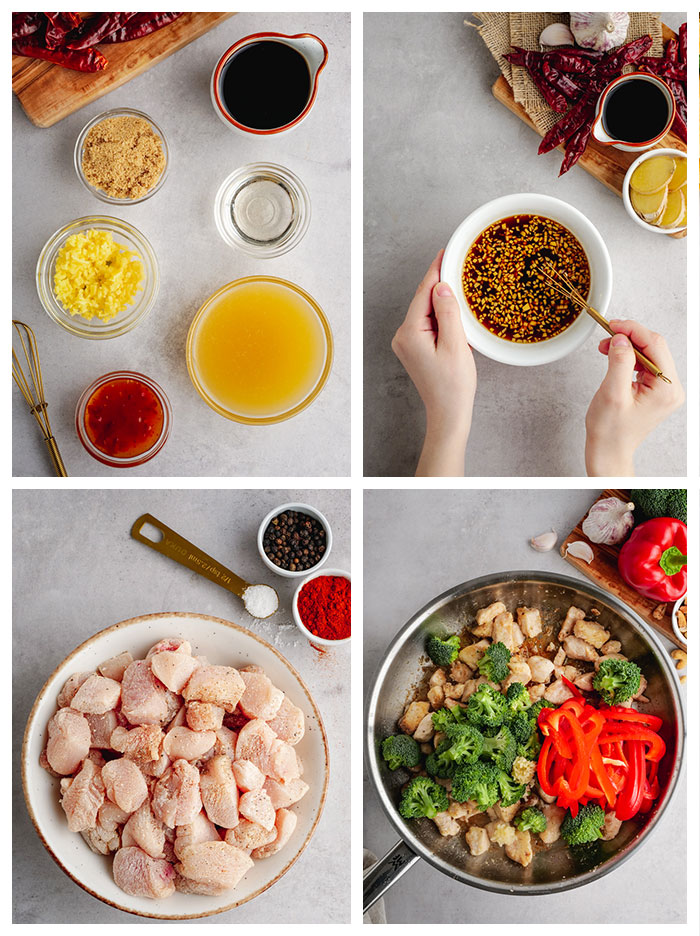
[(114, 461), (292, 193), (78, 155), (279, 415), (123, 233)]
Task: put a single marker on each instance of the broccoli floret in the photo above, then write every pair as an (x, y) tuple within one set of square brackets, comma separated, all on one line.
[(463, 745), (501, 749), (522, 727), (510, 792), (494, 663), (477, 782), (617, 680), (518, 698), (442, 652), (667, 502), (531, 748), (423, 797), (586, 826), (401, 751), (531, 820), (486, 708), (538, 706), (448, 716)]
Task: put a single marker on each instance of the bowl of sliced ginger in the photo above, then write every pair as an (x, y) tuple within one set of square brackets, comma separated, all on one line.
[(655, 191)]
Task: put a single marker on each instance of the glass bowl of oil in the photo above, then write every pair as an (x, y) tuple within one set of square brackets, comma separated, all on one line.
[(259, 350)]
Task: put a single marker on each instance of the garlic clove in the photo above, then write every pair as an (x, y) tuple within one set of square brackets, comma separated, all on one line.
[(544, 542), (580, 550), (557, 34)]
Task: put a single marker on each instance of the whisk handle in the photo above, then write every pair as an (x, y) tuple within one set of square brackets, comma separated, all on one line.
[(58, 465)]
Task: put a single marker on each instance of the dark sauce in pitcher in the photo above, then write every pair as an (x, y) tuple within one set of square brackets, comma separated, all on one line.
[(635, 111), (266, 85)]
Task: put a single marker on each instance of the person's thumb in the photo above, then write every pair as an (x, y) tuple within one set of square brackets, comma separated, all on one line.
[(447, 314), (621, 362)]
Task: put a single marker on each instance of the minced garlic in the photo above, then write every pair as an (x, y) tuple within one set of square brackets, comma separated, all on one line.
[(95, 276)]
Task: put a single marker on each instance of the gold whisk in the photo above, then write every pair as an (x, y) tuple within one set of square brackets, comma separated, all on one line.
[(31, 387), (561, 283)]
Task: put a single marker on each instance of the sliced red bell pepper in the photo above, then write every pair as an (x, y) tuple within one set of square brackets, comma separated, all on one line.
[(629, 801)]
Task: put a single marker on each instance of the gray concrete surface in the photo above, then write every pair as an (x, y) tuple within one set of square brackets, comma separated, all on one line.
[(77, 571), (436, 146), (194, 260), (418, 544)]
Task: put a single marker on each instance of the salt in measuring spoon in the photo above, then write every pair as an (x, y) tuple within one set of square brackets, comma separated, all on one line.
[(176, 547)]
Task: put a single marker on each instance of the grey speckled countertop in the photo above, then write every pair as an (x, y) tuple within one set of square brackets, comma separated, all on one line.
[(194, 260), (418, 544), (437, 145), (77, 571)]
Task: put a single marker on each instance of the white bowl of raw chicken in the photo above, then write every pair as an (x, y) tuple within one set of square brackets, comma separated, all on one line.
[(222, 643)]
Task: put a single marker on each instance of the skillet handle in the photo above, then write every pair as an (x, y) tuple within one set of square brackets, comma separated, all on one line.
[(380, 877)]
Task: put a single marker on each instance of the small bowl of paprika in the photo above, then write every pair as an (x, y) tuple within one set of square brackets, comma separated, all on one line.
[(321, 608)]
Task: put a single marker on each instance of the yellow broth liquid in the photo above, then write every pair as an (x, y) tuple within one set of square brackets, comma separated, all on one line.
[(259, 350)]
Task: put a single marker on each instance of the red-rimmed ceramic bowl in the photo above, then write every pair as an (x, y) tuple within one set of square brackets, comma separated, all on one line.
[(314, 51), (221, 642), (602, 136)]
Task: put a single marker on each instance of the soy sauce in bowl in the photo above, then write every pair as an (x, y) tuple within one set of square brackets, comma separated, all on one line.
[(266, 85)]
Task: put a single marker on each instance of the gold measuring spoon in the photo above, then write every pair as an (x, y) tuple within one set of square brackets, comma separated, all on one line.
[(258, 600)]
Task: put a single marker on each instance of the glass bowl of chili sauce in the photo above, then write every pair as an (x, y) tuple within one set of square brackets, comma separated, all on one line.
[(123, 419), (321, 608)]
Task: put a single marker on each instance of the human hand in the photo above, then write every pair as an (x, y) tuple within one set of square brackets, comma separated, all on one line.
[(624, 411), (433, 348)]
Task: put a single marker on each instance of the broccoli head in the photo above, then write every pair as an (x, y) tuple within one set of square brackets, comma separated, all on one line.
[(538, 706), (531, 748), (510, 791), (501, 748), (494, 663), (422, 797), (522, 727), (666, 502), (617, 681), (531, 820), (586, 826), (442, 652), (477, 782), (462, 745), (401, 751), (448, 716), (518, 698), (486, 708)]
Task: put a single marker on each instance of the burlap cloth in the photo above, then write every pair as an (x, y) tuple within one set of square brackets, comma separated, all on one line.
[(500, 31)]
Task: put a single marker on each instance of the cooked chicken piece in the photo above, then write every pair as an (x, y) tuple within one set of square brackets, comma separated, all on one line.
[(612, 646), (642, 686), (288, 724), (285, 823), (555, 817), (204, 716), (506, 631), (145, 831), (215, 863), (536, 691), (69, 741), (485, 618), (473, 653), (261, 698), (506, 813), (519, 672), (82, 797), (114, 667), (142, 876), (97, 695), (609, 656), (201, 829), (578, 649), (225, 742), (585, 682), (471, 685), (453, 690), (477, 840), (438, 678), (446, 824), (592, 633), (463, 810), (219, 792), (249, 835), (222, 685), (413, 716), (500, 833), (425, 730), (124, 784), (530, 621), (141, 745), (520, 849), (572, 615), (176, 796), (557, 692), (103, 838), (611, 827), (559, 657), (170, 644), (187, 744), (144, 698), (460, 672), (173, 668), (101, 728), (541, 668), (248, 776), (436, 697), (70, 687)]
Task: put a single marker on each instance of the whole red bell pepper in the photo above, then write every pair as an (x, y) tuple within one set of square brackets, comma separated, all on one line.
[(654, 559)]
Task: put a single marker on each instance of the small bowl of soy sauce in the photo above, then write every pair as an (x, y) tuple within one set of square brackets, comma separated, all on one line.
[(267, 83)]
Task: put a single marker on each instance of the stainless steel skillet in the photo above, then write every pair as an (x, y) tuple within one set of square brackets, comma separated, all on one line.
[(554, 869)]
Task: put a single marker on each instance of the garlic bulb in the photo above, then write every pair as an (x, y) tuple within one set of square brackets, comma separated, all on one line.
[(600, 31), (544, 542), (609, 521), (580, 550), (556, 34)]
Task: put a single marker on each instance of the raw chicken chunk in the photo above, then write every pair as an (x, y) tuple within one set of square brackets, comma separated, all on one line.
[(220, 793), (261, 699), (249, 835), (226, 742), (288, 723), (530, 621), (187, 744), (257, 806), (70, 687), (141, 745), (283, 763), (82, 797), (115, 666), (173, 668), (254, 742), (248, 776), (69, 741), (144, 830), (285, 823), (103, 838), (221, 685), (285, 794), (101, 728), (204, 716), (201, 829), (144, 698), (97, 695), (124, 784), (142, 876), (170, 644), (176, 796), (214, 863)]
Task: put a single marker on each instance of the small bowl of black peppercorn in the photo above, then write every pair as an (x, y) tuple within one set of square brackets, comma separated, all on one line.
[(294, 540)]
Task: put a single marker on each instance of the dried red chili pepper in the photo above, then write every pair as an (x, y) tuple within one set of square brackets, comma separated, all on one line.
[(85, 60), (562, 82), (626, 55), (58, 27), (24, 24), (97, 29), (575, 61), (532, 61), (142, 24), (575, 147), (579, 114), (683, 43)]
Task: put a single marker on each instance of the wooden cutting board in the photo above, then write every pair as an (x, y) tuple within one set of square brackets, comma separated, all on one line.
[(607, 164), (603, 571), (48, 92)]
